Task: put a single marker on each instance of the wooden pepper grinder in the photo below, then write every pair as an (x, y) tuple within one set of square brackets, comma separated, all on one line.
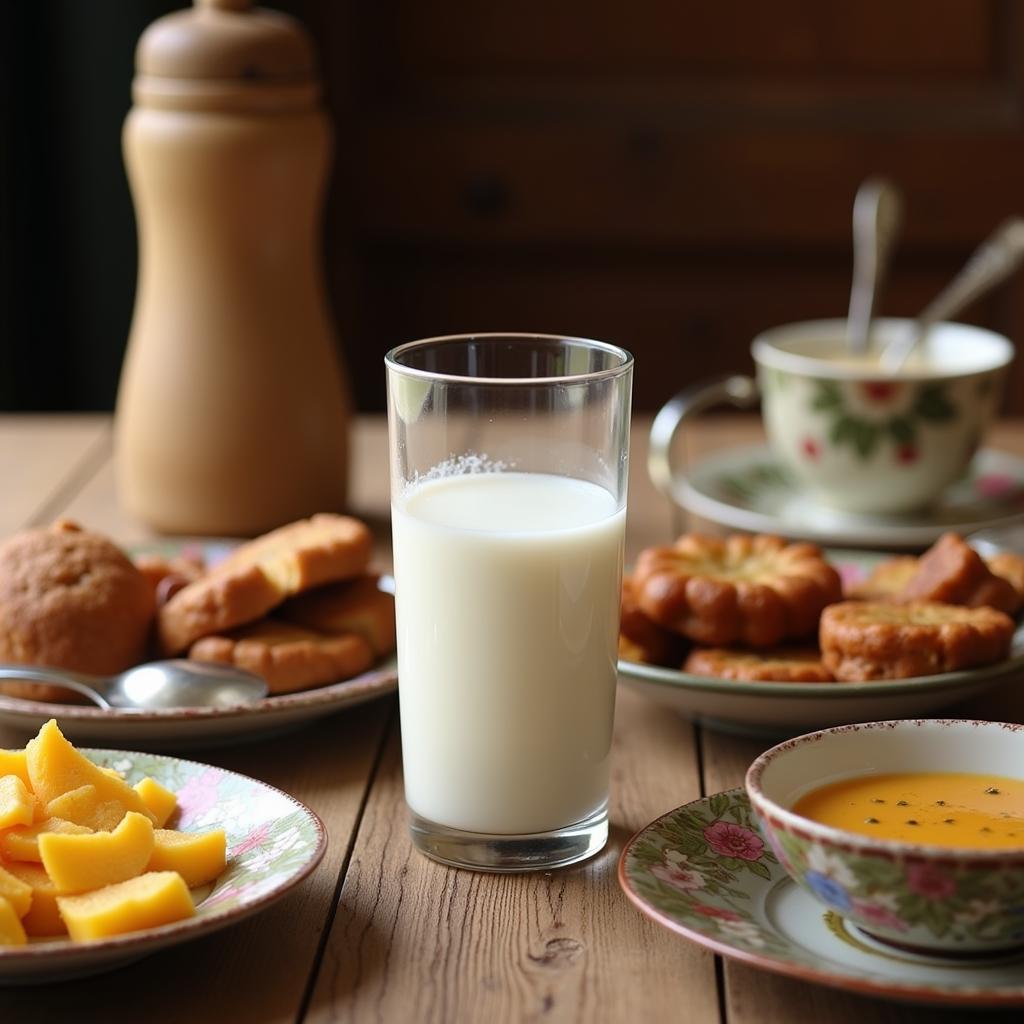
[(233, 409)]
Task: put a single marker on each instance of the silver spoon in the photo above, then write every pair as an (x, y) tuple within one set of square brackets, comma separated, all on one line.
[(877, 215), (993, 261), (176, 683)]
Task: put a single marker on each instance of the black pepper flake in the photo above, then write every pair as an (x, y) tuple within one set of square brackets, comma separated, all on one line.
[(992, 791), (902, 803), (941, 803), (877, 800), (949, 821), (870, 821), (985, 828), (910, 821)]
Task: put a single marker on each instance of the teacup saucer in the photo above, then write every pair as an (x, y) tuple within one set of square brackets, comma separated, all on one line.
[(704, 871), (749, 489)]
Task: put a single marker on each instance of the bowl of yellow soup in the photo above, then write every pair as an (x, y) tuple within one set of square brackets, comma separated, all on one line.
[(911, 830)]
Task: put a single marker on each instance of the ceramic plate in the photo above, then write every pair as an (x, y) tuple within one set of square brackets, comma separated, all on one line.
[(187, 728), (749, 489), (273, 843), (788, 709), (704, 871)]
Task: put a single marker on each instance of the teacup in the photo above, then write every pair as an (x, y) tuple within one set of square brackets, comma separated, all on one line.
[(858, 438), (934, 899)]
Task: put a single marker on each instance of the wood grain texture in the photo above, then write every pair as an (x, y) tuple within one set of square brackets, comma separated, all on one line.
[(416, 940)]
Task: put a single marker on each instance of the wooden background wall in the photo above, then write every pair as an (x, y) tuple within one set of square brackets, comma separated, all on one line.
[(667, 174)]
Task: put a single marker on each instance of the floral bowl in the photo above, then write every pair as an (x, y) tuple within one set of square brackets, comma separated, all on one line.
[(930, 899)]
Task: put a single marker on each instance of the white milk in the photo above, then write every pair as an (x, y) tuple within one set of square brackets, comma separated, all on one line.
[(508, 614)]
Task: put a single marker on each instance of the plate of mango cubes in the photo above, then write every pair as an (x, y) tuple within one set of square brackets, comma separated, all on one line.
[(109, 855)]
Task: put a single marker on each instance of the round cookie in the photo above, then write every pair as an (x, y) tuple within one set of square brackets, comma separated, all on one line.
[(863, 640), (71, 599), (288, 657), (754, 591), (355, 606), (779, 664), (887, 581)]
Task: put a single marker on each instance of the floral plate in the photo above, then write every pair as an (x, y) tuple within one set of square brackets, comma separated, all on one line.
[(188, 728), (704, 871), (274, 842), (749, 489), (788, 709)]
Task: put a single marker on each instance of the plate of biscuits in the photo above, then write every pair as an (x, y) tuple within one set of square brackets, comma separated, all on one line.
[(300, 606), (757, 635)]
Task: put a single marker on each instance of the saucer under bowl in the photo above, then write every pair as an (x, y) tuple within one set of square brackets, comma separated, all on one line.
[(927, 898)]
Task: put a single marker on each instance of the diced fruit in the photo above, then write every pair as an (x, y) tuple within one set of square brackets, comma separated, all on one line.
[(22, 842), (198, 857), (43, 918), (113, 773), (16, 892), (84, 806), (161, 802), (78, 863), (17, 804), (12, 931), (55, 767), (147, 901), (12, 762)]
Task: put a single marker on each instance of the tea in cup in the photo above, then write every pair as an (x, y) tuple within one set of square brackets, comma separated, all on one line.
[(858, 438)]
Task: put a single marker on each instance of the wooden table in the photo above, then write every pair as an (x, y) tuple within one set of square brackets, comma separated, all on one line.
[(380, 933)]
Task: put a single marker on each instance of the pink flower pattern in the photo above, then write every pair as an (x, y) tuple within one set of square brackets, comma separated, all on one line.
[(198, 795), (877, 914), (930, 881), (252, 841), (734, 840)]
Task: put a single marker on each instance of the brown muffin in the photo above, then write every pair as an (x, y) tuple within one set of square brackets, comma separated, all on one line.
[(1009, 566), (953, 572), (778, 664), (862, 640), (753, 591), (887, 581), (71, 599)]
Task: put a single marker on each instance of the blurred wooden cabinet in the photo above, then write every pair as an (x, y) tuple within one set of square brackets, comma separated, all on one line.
[(670, 175)]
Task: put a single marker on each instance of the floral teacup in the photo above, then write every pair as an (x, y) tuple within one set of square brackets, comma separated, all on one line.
[(859, 439), (933, 899)]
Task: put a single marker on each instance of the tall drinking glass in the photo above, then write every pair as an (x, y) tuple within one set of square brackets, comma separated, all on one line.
[(509, 459)]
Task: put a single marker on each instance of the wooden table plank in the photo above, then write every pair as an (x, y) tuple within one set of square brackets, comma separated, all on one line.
[(414, 940), (43, 458)]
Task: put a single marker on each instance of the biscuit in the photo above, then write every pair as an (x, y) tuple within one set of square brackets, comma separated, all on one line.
[(863, 640), (1009, 566), (261, 574), (953, 572), (169, 575), (70, 599), (754, 591), (643, 640), (886, 582), (779, 664), (357, 606), (288, 657)]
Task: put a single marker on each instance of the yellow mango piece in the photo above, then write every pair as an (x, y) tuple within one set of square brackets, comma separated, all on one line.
[(84, 806), (43, 918), (113, 773), (78, 863), (22, 842), (17, 804), (12, 762), (55, 768), (147, 901), (12, 931), (16, 892), (161, 802), (199, 857)]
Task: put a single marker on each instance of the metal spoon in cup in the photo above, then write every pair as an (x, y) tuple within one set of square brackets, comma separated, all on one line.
[(157, 685), (992, 262), (877, 215)]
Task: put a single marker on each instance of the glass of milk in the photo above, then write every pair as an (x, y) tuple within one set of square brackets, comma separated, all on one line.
[(509, 459)]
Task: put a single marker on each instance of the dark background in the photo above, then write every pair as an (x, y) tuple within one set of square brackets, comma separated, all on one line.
[(670, 175)]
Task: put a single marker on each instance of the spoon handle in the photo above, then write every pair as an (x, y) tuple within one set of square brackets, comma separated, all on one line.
[(55, 677), (992, 262), (877, 214)]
